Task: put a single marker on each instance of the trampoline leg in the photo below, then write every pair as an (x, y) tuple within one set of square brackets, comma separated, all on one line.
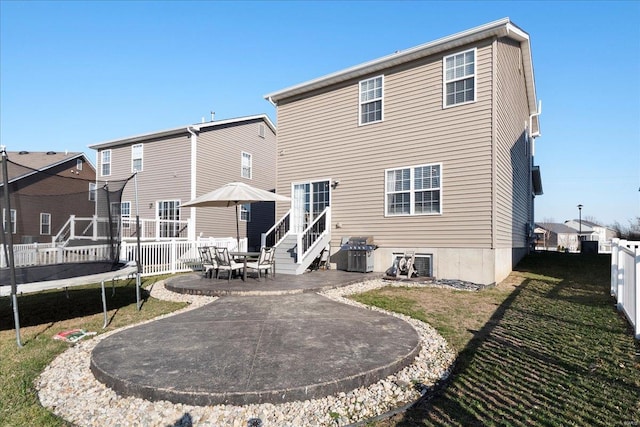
[(104, 306), (16, 318), (138, 291)]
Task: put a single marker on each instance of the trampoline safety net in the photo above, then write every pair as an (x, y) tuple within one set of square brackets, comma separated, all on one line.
[(59, 212)]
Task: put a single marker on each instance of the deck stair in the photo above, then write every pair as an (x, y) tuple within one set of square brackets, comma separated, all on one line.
[(295, 252)]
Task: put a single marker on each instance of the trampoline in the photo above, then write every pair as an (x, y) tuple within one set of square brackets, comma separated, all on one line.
[(63, 276), (91, 249)]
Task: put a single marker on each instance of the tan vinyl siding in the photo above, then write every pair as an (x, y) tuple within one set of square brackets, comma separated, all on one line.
[(319, 137), (219, 162), (165, 175), (513, 194)]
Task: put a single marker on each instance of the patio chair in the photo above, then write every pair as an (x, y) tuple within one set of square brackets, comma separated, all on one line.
[(226, 263), (265, 262), (208, 261)]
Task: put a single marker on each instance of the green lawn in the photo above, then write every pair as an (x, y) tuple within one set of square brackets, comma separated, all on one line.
[(42, 315), (546, 347)]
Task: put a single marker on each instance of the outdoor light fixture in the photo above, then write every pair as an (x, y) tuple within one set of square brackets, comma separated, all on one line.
[(334, 184)]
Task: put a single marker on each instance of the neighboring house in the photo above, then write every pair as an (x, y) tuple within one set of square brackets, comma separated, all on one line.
[(177, 165), (556, 236), (427, 150), (46, 188), (594, 232)]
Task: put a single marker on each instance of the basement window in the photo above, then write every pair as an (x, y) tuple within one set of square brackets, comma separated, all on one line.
[(423, 263)]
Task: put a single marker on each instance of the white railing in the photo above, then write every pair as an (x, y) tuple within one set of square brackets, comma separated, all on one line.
[(164, 257), (46, 253), (152, 229), (175, 256), (625, 280)]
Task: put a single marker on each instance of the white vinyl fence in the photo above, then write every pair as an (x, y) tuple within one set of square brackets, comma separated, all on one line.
[(164, 257), (625, 280)]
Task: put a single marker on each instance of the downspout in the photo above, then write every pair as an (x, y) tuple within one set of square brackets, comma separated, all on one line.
[(191, 235), (537, 133), (272, 102)]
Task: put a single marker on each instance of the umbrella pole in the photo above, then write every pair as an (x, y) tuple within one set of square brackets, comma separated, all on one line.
[(237, 228)]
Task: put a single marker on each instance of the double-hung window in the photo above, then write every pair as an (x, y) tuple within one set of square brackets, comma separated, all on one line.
[(460, 78), (245, 212), (93, 190), (371, 93), (413, 190), (125, 214), (13, 220), (246, 165), (105, 162), (136, 158), (45, 223)]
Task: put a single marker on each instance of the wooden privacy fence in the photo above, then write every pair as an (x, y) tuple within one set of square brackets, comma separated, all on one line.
[(625, 280)]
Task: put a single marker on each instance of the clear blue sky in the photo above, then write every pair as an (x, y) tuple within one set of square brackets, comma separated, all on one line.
[(79, 73)]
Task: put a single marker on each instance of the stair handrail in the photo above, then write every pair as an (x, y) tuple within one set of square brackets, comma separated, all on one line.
[(311, 235), (275, 234)]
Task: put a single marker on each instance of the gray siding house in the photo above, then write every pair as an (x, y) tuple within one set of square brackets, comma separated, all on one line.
[(428, 150), (177, 165)]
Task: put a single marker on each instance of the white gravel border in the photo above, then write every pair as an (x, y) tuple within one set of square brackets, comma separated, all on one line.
[(68, 388)]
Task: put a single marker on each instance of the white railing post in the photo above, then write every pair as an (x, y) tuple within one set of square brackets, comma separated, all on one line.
[(94, 220), (621, 274), (614, 265), (72, 227), (123, 251), (172, 256), (637, 293)]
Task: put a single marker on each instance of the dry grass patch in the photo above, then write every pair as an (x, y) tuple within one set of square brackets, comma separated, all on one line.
[(545, 347)]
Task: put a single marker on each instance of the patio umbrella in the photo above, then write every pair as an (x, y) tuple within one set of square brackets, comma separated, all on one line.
[(234, 194)]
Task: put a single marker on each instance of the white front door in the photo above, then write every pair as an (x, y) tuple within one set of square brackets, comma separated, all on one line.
[(309, 200)]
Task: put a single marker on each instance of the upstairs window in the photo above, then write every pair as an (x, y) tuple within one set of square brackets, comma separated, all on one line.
[(261, 131), (136, 158), (413, 190), (45, 223), (79, 164), (105, 162), (246, 165), (371, 100), (460, 78)]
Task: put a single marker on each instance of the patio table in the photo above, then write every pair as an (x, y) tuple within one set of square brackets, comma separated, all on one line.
[(245, 256)]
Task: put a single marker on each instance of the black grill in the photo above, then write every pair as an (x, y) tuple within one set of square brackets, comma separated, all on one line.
[(359, 254)]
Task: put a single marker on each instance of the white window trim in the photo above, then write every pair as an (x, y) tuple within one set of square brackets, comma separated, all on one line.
[(79, 164), (261, 131), (93, 189), (102, 163), (245, 207), (475, 78), (412, 191), (42, 215), (242, 157), (360, 101), (13, 219), (133, 157), (125, 224)]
